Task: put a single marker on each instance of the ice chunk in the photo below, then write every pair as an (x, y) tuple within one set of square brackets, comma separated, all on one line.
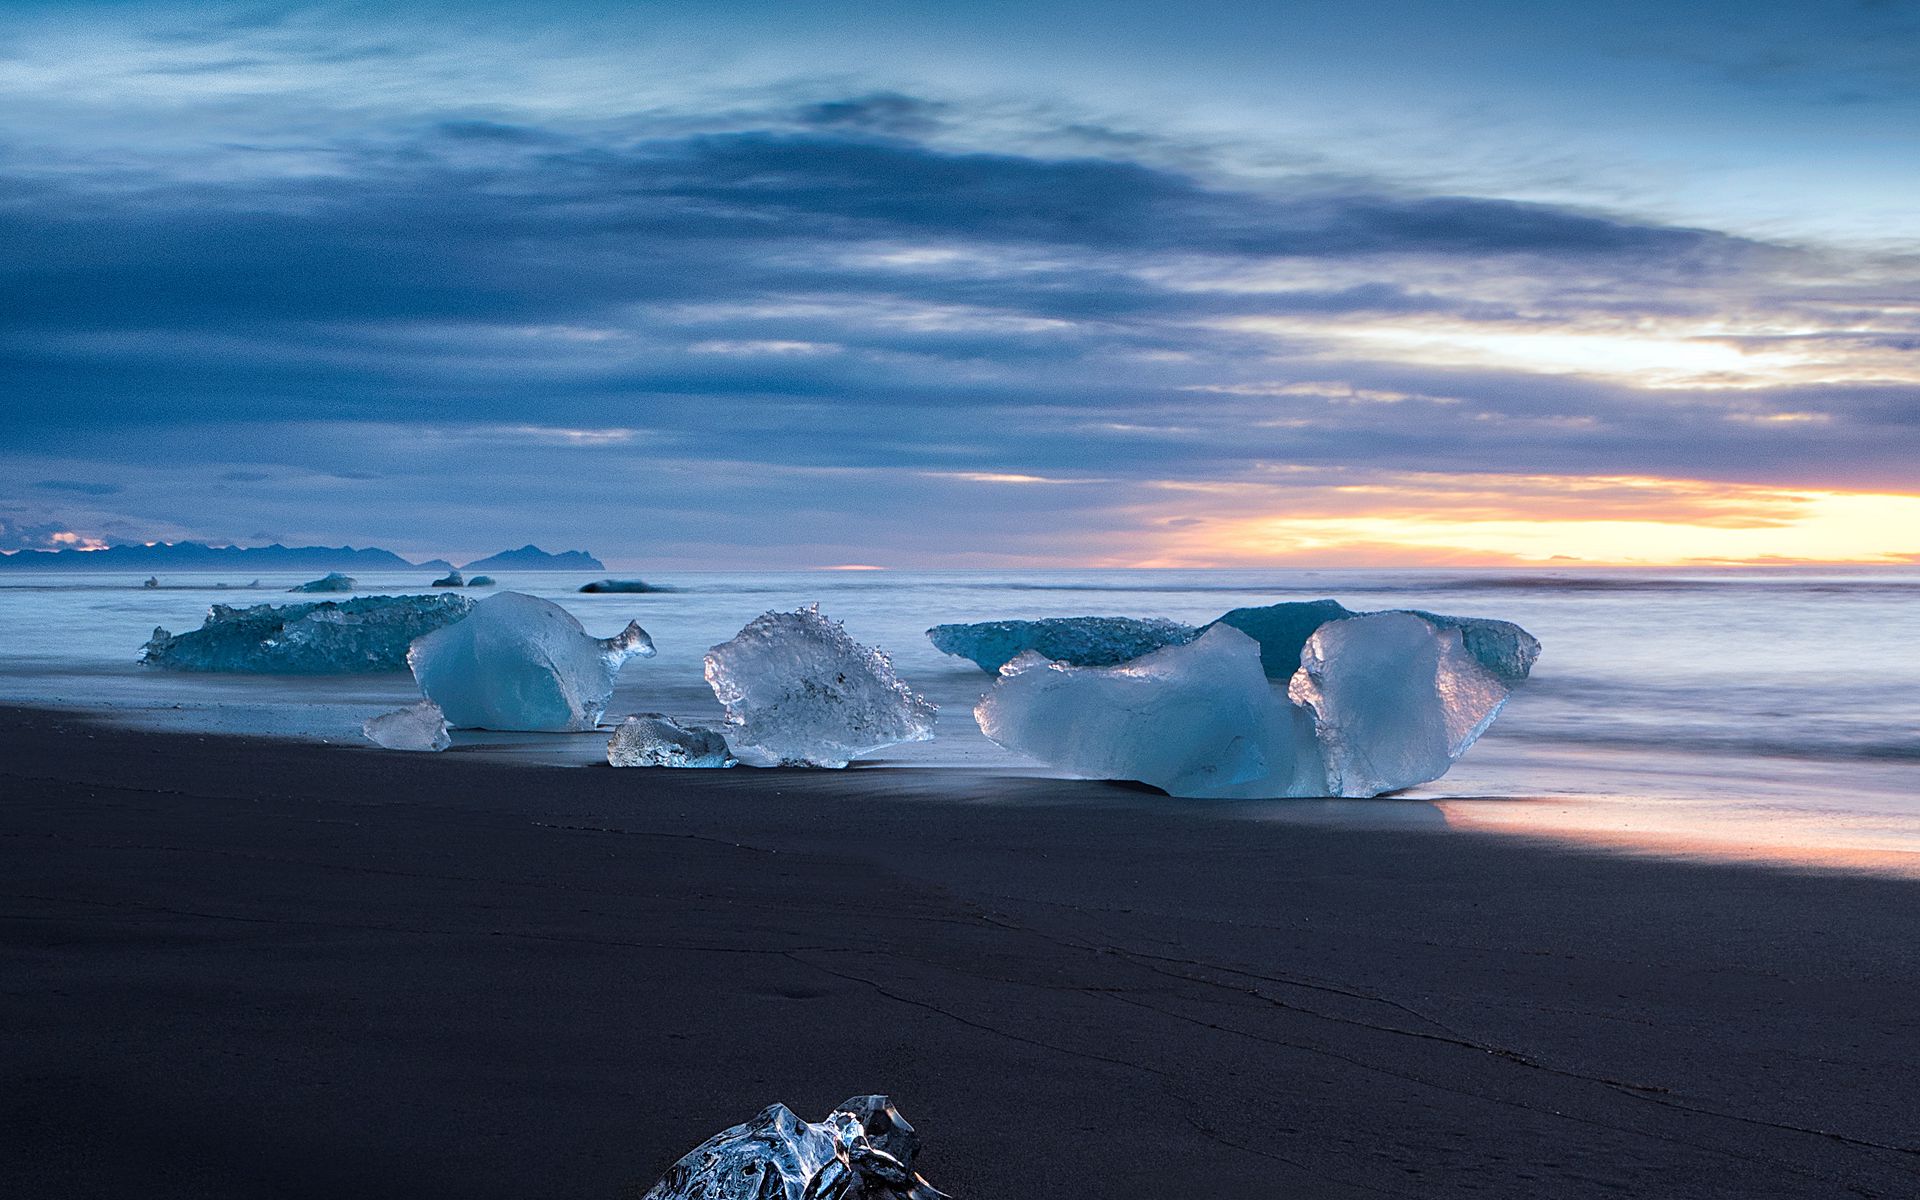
[(1198, 719), (450, 579), (657, 740), (621, 586), (325, 637), (332, 581), (864, 1150), (1082, 641), (1395, 700), (480, 581), (520, 662), (1282, 629), (1500, 646), (419, 726), (798, 691)]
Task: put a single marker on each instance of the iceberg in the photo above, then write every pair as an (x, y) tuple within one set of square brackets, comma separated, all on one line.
[(1376, 702), (1198, 719), (657, 740), (864, 1150), (419, 726), (799, 692), (324, 637), (520, 662), (480, 581), (332, 581), (1395, 700), (621, 587), (450, 579), (1081, 641)]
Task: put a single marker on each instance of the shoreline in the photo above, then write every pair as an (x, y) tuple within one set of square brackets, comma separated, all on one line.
[(237, 966)]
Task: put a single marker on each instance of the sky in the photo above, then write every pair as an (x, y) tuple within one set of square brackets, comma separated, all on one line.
[(968, 284)]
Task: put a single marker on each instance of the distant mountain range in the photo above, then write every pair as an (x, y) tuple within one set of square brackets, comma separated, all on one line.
[(533, 558), (197, 556)]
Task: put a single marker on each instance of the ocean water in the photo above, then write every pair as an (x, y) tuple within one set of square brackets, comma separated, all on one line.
[(1769, 710)]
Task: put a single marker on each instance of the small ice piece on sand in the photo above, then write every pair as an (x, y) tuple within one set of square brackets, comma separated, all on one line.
[(1199, 720), (520, 662), (419, 726), (657, 740), (450, 579), (325, 637), (799, 692), (864, 1150), (1081, 641), (1395, 700), (332, 581)]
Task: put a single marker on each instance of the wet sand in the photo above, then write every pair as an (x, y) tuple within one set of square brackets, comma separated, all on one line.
[(234, 967)]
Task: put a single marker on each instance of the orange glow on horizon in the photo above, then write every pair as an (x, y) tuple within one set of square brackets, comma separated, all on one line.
[(1533, 520)]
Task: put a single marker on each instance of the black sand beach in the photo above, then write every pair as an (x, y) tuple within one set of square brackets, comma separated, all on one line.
[(234, 967)]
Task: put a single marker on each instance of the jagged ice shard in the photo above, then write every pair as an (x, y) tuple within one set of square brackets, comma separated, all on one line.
[(799, 692), (520, 662), (327, 637), (419, 726), (657, 740), (1199, 719), (864, 1150), (1081, 641), (1395, 700)]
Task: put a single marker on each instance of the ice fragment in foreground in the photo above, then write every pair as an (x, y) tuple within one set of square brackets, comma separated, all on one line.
[(332, 581), (520, 662), (1081, 641), (326, 637), (864, 1150), (799, 692), (656, 740), (419, 726), (1395, 700), (1199, 719)]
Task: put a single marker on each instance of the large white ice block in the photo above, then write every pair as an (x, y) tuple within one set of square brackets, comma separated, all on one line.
[(520, 662), (799, 692), (1395, 700), (1199, 719)]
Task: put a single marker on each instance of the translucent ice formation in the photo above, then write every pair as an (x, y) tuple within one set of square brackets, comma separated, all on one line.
[(419, 726), (1282, 629), (520, 662), (657, 740), (799, 692), (326, 637), (332, 581), (1082, 641), (1199, 719), (864, 1150), (1378, 702), (1395, 700)]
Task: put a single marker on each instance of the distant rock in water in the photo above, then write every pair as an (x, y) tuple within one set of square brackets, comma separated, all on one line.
[(450, 579), (333, 582), (600, 586), (864, 1150), (1082, 641), (533, 558), (198, 556), (326, 637), (480, 581), (153, 581)]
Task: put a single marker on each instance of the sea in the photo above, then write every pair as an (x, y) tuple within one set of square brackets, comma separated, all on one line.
[(1769, 713)]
